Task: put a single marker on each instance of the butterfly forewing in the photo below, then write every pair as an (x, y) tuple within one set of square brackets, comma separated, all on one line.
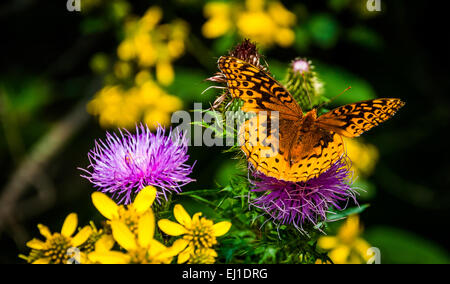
[(354, 119), (258, 90)]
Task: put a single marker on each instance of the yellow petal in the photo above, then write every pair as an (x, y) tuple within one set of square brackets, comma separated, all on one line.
[(183, 257), (123, 236), (156, 248), (36, 244), (221, 228), (110, 257), (70, 225), (178, 246), (340, 254), (327, 242), (44, 231), (45, 260), (105, 205), (350, 230), (82, 236), (171, 228), (105, 243), (181, 215), (146, 229), (362, 247), (144, 199), (196, 217)]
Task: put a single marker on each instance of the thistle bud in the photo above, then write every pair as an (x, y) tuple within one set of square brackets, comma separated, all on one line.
[(302, 82), (248, 52)]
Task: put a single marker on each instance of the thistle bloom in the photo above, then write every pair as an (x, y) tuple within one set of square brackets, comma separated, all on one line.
[(58, 246), (297, 203), (200, 233), (126, 163), (347, 246), (301, 66)]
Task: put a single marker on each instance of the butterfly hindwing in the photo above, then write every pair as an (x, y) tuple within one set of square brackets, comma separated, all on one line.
[(287, 152)]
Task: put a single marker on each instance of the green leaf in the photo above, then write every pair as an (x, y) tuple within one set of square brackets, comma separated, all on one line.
[(226, 172), (189, 85), (336, 80), (278, 69), (366, 189), (92, 25), (302, 39), (365, 37), (398, 246), (347, 212), (224, 43)]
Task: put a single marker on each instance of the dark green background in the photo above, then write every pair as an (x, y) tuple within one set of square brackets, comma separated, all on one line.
[(402, 52)]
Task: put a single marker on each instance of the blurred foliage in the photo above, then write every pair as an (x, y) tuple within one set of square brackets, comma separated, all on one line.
[(54, 60), (402, 247)]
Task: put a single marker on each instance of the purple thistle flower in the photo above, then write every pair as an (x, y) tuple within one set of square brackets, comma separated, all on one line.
[(124, 164), (297, 203)]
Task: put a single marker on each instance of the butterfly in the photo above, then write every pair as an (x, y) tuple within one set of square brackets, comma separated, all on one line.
[(296, 147)]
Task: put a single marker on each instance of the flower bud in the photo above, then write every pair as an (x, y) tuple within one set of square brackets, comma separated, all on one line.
[(302, 82)]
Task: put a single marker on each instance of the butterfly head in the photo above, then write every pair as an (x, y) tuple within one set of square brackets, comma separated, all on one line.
[(309, 119)]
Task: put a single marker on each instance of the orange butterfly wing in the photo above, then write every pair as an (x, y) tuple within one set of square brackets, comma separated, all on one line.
[(284, 152), (295, 154), (291, 146), (258, 90), (354, 119)]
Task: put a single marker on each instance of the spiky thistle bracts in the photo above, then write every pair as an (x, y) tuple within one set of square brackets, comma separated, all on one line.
[(246, 51)]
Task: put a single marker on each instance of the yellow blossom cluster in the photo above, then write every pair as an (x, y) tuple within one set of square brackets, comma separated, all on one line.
[(266, 22), (132, 228), (152, 44), (198, 232), (147, 101), (134, 90)]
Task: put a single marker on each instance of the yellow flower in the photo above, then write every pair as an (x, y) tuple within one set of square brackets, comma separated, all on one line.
[(114, 108), (58, 246), (203, 256), (150, 43), (363, 156), (124, 108), (347, 246), (128, 215), (147, 43), (200, 233), (219, 23), (320, 261), (95, 236), (265, 23), (142, 249)]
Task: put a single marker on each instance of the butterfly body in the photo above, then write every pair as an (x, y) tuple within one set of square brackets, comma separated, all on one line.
[(303, 145)]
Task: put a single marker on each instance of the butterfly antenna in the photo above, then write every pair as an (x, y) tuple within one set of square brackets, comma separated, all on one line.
[(335, 97)]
